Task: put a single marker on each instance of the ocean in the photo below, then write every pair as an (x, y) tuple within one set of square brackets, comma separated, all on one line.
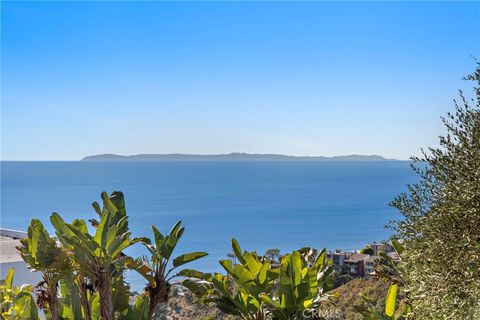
[(284, 205)]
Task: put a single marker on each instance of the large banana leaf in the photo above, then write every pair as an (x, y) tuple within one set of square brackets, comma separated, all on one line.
[(391, 301), (72, 307), (9, 279), (139, 311), (16, 302), (158, 268), (25, 306), (301, 284), (236, 293), (186, 258)]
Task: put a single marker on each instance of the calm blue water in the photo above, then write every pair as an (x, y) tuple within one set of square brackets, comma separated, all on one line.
[(283, 205)]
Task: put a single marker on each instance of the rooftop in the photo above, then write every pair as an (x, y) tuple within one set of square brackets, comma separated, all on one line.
[(355, 257), (9, 239)]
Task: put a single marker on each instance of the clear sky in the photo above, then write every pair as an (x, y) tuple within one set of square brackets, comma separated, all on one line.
[(298, 78)]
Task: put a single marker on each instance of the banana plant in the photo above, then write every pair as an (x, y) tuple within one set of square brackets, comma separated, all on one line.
[(70, 303), (16, 303), (99, 256), (139, 310), (156, 269), (43, 254), (76, 286), (303, 280), (237, 293), (372, 313)]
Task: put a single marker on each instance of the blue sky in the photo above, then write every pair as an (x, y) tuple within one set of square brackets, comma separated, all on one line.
[(304, 78)]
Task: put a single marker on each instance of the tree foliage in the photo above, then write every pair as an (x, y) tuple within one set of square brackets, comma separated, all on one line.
[(42, 253), (156, 268), (16, 303), (441, 225), (99, 256), (254, 290), (83, 272), (390, 312), (304, 277), (238, 292)]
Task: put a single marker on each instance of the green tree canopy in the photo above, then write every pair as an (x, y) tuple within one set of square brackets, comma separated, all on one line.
[(441, 225), (367, 250)]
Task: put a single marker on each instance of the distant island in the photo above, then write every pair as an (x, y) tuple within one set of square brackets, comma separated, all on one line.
[(234, 156)]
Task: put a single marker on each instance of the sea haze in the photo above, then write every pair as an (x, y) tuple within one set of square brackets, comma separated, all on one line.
[(284, 205)]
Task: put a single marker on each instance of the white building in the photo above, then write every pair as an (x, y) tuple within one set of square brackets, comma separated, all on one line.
[(370, 263), (10, 258)]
